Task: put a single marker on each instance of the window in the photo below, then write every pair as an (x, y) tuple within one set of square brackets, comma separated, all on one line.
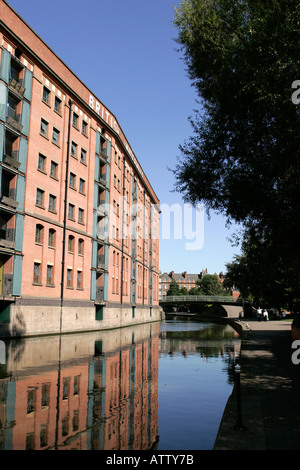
[(71, 211), (66, 388), (52, 203), (76, 385), (51, 238), (71, 244), (79, 279), (15, 71), (39, 234), (12, 107), (80, 216), (44, 435), (11, 145), (82, 186), (44, 128), (80, 246), (103, 147), (72, 180), (75, 419), (45, 400), (31, 400), (42, 163), (70, 278), (46, 95), (50, 271), (75, 120), (57, 105), (36, 273), (102, 172), (53, 169), (83, 156), (84, 128), (74, 150), (55, 136), (39, 197)]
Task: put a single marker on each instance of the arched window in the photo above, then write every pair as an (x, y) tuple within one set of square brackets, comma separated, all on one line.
[(80, 246), (39, 233), (71, 240), (51, 238)]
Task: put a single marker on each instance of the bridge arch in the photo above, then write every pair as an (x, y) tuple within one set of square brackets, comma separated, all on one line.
[(233, 311)]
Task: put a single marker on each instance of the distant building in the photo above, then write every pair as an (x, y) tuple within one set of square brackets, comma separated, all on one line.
[(183, 279), (187, 280)]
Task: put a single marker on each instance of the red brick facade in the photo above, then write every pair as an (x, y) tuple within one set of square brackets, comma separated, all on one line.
[(77, 175)]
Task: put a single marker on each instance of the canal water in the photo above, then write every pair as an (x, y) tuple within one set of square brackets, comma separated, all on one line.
[(155, 386)]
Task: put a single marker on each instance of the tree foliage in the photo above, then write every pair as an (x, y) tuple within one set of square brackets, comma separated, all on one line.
[(261, 275), (243, 158), (175, 289), (210, 285)]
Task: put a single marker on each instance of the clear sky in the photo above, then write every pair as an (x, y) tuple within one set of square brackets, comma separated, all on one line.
[(124, 51)]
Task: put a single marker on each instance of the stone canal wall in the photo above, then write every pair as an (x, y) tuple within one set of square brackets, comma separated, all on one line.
[(29, 320)]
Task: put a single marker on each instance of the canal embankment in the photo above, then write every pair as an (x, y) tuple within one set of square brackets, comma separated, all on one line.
[(266, 414)]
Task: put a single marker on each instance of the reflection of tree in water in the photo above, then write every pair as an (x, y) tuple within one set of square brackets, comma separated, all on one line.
[(212, 341), (17, 348)]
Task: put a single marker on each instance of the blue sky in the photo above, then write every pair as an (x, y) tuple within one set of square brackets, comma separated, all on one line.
[(125, 52)]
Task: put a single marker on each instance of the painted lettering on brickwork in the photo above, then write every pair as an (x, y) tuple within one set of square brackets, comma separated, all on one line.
[(107, 117), (103, 113)]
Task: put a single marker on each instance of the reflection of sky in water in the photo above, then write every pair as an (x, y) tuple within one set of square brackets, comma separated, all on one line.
[(183, 326), (193, 390)]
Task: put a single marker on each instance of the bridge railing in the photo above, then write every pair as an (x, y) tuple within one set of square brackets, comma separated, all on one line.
[(198, 298)]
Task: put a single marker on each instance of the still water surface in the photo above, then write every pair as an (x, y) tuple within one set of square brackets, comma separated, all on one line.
[(155, 386)]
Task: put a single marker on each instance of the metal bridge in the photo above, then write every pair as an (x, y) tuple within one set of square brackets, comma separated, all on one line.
[(230, 306)]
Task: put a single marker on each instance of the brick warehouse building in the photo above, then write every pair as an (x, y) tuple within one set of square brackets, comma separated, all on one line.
[(79, 220)]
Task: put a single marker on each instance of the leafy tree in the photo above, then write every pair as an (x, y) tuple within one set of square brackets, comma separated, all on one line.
[(194, 291), (243, 159), (174, 288), (210, 285), (261, 276), (184, 291)]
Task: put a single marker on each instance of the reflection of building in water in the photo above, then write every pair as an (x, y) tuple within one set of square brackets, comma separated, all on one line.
[(35, 409), (201, 342), (128, 399), (108, 400)]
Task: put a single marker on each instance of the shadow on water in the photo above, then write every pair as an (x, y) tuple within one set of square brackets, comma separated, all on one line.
[(107, 390)]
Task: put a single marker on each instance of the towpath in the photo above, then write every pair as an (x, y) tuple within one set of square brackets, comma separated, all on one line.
[(270, 392)]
